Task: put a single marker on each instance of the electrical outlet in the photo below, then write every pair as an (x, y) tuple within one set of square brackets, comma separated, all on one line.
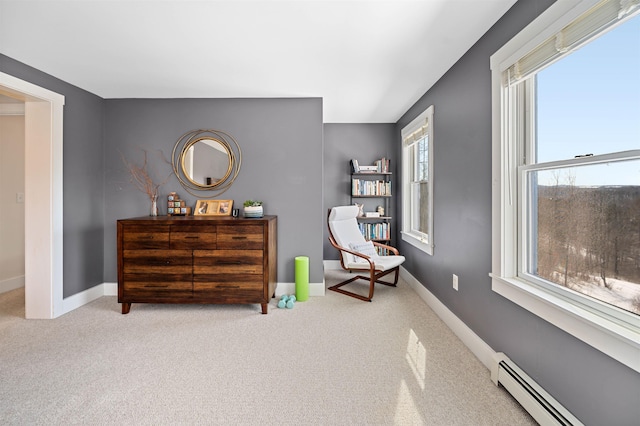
[(20, 197), (455, 282)]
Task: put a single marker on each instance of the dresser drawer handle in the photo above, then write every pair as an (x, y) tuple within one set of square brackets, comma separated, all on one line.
[(229, 286), (239, 238), (193, 236)]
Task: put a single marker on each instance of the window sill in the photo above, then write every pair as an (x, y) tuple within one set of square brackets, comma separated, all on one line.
[(417, 242), (619, 342)]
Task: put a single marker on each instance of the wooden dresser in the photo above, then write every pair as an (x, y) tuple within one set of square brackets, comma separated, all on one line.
[(196, 259)]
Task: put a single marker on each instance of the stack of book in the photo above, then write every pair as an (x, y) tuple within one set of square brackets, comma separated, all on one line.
[(379, 166)]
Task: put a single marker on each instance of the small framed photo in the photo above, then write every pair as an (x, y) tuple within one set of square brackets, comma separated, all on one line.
[(213, 207)]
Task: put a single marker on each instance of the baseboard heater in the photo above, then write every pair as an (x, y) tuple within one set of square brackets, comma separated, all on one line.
[(542, 406)]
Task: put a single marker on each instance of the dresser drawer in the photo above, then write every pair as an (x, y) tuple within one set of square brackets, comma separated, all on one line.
[(240, 237), (193, 237), (157, 261), (157, 285), (145, 237), (229, 288), (227, 262)]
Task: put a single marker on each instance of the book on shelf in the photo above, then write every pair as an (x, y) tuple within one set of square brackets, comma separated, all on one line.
[(376, 231), (368, 169), (383, 165), (360, 187), (379, 166), (371, 214)]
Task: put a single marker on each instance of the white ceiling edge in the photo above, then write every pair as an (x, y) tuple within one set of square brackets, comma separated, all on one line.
[(369, 61)]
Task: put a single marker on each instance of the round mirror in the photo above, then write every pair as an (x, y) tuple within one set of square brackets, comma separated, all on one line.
[(206, 160)]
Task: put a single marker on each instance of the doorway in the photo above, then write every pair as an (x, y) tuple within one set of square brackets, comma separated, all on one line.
[(43, 196)]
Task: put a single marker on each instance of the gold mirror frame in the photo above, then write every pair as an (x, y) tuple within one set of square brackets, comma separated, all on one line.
[(181, 151), (187, 155)]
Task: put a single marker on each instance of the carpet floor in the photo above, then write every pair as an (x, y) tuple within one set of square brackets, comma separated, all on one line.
[(331, 360)]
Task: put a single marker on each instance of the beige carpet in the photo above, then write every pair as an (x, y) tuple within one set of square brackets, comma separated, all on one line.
[(331, 360)]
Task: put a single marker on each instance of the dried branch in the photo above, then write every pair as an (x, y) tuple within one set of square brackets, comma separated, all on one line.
[(141, 175)]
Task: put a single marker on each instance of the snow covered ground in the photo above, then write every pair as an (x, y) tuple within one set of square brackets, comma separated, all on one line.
[(622, 293)]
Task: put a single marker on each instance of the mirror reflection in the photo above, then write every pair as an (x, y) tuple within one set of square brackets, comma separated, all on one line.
[(206, 162)]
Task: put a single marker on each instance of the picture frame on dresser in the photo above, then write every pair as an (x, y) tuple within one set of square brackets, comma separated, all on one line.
[(213, 208)]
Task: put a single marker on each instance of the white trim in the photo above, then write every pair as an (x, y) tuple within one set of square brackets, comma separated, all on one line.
[(472, 341), (407, 234), (11, 284), (315, 289), (111, 289), (43, 196), (12, 109), (620, 341), (615, 340), (87, 296), (416, 242)]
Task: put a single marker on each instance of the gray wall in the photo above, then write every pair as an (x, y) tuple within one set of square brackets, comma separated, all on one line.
[(282, 164), (342, 142), (281, 140), (83, 175), (594, 387)]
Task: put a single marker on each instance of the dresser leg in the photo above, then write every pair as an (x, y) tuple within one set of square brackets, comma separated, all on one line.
[(125, 308), (264, 307)]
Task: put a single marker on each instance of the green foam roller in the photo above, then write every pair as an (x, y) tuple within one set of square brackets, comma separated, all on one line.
[(302, 278)]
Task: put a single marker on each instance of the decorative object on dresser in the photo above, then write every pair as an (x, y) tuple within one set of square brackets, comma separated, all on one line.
[(197, 259), (143, 178), (176, 206), (213, 207), (253, 208), (206, 162)]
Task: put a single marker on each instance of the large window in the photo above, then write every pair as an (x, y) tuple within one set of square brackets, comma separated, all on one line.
[(417, 181), (567, 163)]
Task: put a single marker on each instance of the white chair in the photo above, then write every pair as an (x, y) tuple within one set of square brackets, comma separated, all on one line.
[(357, 254)]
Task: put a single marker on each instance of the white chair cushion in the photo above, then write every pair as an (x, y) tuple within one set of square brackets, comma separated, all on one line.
[(344, 228), (365, 248), (343, 212), (382, 263)]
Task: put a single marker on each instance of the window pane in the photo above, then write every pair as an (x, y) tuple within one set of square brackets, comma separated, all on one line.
[(423, 159), (584, 230), (420, 210), (589, 101), (420, 187)]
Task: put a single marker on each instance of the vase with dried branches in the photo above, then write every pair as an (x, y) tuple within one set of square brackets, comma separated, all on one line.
[(143, 179)]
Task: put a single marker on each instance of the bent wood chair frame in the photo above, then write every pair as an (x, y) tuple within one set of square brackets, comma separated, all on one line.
[(374, 275)]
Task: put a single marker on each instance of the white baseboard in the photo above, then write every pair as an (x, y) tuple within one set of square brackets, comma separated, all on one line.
[(79, 299), (11, 284), (332, 264), (315, 289), (111, 289), (475, 344)]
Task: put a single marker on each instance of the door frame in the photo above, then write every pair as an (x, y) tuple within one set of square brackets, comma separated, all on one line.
[(43, 196)]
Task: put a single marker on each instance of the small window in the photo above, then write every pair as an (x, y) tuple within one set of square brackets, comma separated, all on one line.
[(417, 182)]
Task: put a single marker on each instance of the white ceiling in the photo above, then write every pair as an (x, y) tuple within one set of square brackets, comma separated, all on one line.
[(368, 60)]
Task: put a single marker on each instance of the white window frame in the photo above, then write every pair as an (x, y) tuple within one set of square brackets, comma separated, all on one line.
[(616, 337), (417, 239)]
